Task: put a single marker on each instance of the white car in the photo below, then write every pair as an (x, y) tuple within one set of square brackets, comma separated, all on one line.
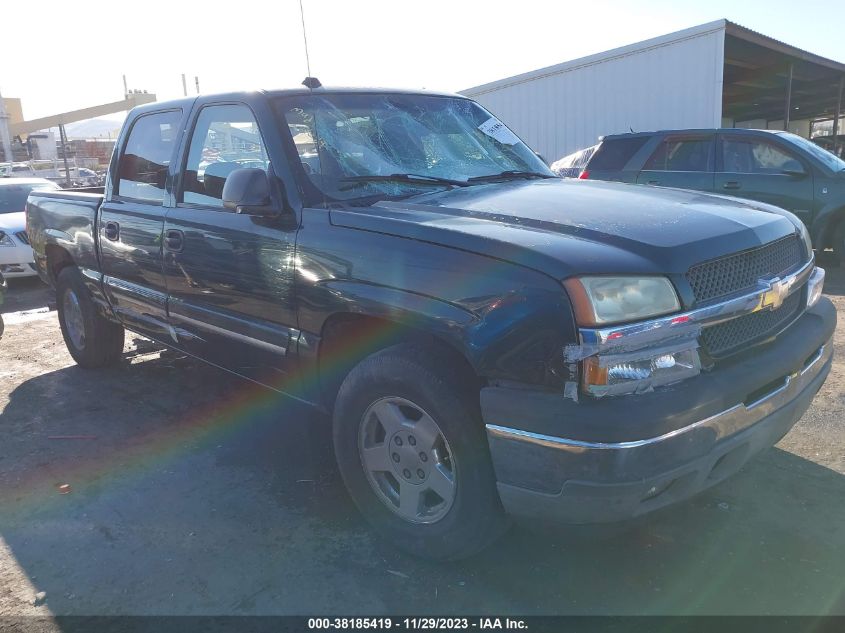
[(16, 258)]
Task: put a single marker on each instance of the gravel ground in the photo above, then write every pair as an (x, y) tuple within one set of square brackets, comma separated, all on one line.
[(167, 487)]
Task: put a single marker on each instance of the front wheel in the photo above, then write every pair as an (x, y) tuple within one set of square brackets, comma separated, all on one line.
[(91, 339), (412, 451)]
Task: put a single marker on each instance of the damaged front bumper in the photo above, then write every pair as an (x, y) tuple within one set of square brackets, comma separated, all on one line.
[(614, 458)]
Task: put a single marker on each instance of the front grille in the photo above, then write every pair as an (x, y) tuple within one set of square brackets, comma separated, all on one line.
[(740, 271), (23, 237), (728, 337)]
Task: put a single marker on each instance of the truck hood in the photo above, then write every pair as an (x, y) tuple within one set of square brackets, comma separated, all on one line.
[(12, 222), (566, 227)]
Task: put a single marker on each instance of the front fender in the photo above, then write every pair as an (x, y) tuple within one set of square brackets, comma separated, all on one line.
[(508, 321), (825, 222)]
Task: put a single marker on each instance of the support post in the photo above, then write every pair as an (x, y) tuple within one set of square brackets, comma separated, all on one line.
[(184, 86), (837, 115), (788, 100), (63, 138)]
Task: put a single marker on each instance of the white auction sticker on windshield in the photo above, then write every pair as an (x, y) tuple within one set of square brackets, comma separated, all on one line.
[(494, 128)]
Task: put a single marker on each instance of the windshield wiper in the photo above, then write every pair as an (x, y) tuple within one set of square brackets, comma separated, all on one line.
[(421, 179), (511, 174)]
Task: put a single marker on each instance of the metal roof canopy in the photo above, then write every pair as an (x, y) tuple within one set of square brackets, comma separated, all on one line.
[(132, 100), (767, 79)]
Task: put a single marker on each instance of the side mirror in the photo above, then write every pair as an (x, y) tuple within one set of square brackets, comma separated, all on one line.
[(794, 169), (247, 191)]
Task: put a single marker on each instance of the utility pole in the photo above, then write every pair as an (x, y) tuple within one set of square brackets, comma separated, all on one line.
[(788, 100), (63, 138), (5, 138), (837, 115), (197, 82), (125, 87), (184, 86)]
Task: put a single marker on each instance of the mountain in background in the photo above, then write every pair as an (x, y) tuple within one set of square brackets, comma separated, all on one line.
[(94, 128)]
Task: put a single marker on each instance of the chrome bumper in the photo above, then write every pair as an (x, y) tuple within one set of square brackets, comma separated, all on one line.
[(719, 426)]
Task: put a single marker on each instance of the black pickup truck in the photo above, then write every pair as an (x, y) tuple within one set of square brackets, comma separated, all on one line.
[(489, 339)]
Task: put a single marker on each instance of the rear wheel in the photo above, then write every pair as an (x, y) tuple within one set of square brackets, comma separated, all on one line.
[(91, 339), (412, 451)]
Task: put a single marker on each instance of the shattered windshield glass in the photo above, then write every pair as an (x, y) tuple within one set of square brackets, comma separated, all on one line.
[(362, 146)]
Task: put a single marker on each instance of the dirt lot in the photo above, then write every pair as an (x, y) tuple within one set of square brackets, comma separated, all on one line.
[(191, 492)]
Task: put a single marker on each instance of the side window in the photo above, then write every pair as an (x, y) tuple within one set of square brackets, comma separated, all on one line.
[(614, 154), (690, 154), (225, 138), (142, 168), (746, 156)]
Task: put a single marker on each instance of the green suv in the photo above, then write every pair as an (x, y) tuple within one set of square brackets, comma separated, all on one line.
[(774, 167)]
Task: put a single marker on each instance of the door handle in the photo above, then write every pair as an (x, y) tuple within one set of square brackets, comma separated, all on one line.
[(112, 231), (174, 240), (653, 182), (732, 184)]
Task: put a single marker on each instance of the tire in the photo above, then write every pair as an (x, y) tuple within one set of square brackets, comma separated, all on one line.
[(91, 339), (453, 489)]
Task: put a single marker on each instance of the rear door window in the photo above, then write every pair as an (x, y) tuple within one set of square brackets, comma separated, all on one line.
[(146, 157), (683, 154), (614, 154)]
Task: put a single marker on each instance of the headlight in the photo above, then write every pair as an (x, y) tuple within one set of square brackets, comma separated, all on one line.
[(5, 240), (606, 300), (635, 373)]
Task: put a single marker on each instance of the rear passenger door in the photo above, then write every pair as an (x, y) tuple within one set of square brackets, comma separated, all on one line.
[(230, 276), (762, 169), (131, 221), (683, 161)]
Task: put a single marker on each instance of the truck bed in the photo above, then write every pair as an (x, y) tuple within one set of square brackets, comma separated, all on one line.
[(66, 220)]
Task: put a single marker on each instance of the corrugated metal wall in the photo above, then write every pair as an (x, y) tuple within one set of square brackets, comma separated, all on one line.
[(658, 84)]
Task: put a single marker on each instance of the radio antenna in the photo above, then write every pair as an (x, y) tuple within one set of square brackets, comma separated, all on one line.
[(305, 39)]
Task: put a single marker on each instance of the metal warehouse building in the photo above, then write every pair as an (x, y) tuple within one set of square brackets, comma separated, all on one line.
[(718, 74)]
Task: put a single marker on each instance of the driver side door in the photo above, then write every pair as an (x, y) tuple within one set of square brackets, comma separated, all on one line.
[(230, 276)]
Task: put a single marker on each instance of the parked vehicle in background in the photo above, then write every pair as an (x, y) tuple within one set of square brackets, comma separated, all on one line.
[(778, 168), (489, 338), (572, 166), (15, 253), (2, 297)]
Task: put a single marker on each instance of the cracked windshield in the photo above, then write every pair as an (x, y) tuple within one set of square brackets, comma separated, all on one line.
[(362, 146)]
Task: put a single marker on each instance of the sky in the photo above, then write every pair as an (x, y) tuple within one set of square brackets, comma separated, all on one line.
[(439, 45)]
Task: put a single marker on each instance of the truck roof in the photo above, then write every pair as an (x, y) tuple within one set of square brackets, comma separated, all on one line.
[(288, 92), (726, 130)]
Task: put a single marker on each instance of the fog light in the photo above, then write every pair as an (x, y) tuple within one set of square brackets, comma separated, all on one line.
[(635, 373), (814, 286)]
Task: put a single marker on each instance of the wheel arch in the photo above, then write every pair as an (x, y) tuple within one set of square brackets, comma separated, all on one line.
[(826, 225), (348, 337), (57, 258)]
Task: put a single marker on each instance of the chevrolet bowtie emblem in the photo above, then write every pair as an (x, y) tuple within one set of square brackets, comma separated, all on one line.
[(773, 298)]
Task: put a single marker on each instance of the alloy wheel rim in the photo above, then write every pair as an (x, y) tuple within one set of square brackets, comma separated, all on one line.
[(407, 460), (74, 323)]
